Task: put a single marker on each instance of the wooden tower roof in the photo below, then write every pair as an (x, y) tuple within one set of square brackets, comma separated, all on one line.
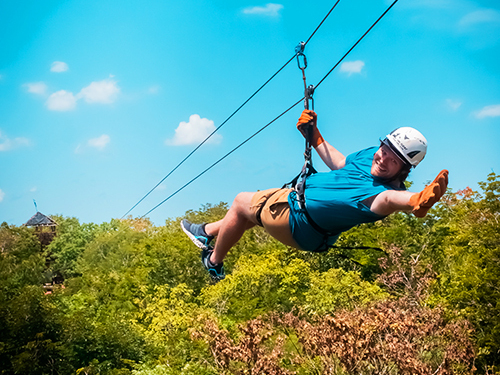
[(40, 220)]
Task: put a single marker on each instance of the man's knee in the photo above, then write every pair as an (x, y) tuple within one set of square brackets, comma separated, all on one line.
[(242, 203), (242, 200)]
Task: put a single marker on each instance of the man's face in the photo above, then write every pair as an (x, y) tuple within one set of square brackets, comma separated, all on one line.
[(385, 163)]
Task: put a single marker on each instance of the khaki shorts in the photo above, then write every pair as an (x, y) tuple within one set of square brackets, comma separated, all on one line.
[(271, 206)]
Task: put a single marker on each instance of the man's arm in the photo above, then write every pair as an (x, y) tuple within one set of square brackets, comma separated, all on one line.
[(391, 201), (332, 157), (329, 154)]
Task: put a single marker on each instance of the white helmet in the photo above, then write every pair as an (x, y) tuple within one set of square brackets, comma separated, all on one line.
[(408, 144)]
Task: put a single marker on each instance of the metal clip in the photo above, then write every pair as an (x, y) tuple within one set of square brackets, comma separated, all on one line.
[(310, 91), (304, 61), (299, 50), (308, 94)]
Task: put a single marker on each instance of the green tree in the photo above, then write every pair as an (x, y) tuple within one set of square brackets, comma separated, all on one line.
[(68, 245), (338, 289), (29, 328), (470, 277), (257, 285)]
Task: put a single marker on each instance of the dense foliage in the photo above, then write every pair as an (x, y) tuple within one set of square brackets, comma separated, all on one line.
[(135, 299)]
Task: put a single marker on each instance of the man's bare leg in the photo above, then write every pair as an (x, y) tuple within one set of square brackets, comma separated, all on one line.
[(229, 230)]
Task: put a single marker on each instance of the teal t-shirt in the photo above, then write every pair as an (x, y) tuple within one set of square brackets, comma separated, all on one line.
[(333, 200)]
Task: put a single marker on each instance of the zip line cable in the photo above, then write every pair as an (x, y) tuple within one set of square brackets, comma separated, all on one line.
[(321, 23), (276, 118), (232, 114)]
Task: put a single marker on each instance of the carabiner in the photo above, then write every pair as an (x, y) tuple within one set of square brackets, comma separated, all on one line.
[(304, 60), (299, 50), (309, 97)]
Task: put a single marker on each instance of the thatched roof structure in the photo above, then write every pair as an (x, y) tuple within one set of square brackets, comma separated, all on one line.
[(40, 220)]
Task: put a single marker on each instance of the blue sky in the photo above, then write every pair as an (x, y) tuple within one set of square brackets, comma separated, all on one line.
[(100, 100)]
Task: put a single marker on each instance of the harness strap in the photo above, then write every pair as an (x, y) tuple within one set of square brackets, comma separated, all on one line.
[(326, 234)]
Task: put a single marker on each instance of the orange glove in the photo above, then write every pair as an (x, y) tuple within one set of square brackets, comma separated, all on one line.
[(307, 123), (423, 201)]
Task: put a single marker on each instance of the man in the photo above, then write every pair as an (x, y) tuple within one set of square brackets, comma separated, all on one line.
[(364, 187)]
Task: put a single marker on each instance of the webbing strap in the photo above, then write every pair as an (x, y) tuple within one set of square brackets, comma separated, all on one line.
[(326, 234), (299, 180)]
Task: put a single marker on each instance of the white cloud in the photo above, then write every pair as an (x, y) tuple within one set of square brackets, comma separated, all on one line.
[(2, 195), (453, 104), (59, 67), (488, 111), (194, 131), (480, 16), (61, 101), (33, 189), (104, 91), (270, 9), (7, 144), (351, 67), (100, 142), (39, 88)]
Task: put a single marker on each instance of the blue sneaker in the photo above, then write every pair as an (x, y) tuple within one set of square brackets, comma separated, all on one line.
[(216, 271), (196, 233)]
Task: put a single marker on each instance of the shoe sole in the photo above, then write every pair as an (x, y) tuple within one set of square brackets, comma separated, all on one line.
[(196, 241)]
